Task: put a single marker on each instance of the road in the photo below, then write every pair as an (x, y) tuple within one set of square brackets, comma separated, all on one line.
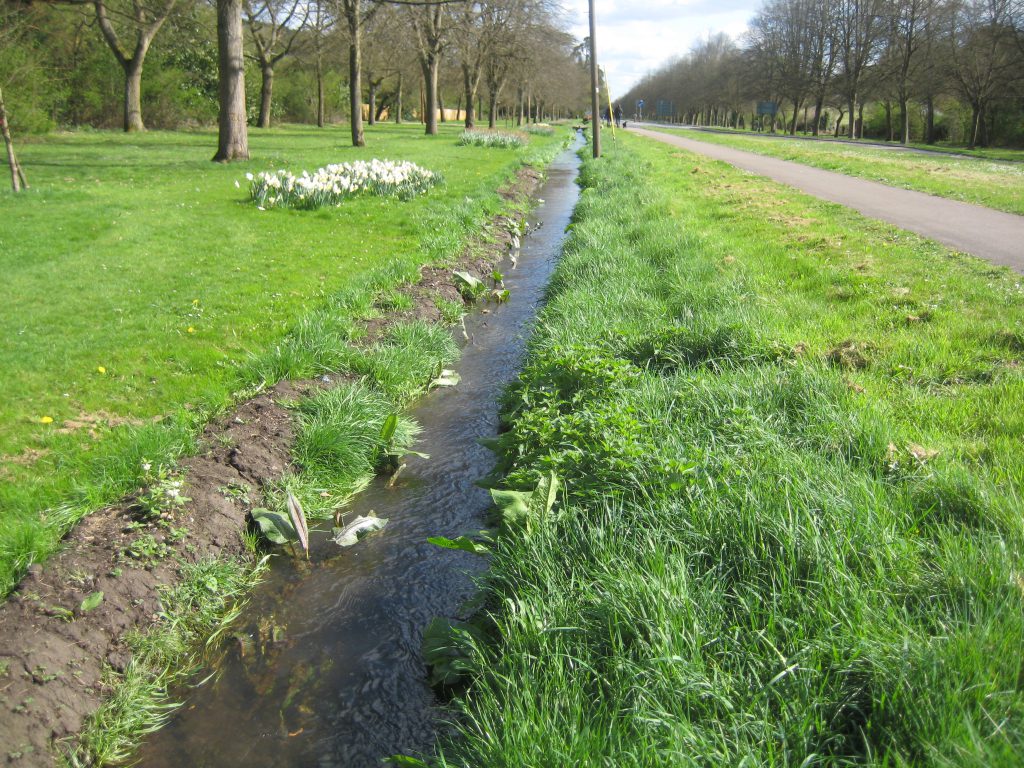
[(983, 232)]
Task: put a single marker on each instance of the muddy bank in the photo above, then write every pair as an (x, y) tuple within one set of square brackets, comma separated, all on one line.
[(56, 640)]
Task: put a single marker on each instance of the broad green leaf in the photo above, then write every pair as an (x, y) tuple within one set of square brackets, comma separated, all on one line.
[(405, 760), (513, 505), (463, 543), (446, 379), (546, 494), (91, 602), (275, 526), (350, 534), (447, 646), (387, 432)]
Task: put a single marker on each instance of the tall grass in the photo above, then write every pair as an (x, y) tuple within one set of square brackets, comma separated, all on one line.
[(762, 555)]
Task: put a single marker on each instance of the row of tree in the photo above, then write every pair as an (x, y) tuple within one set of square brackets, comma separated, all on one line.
[(910, 62), (184, 62)]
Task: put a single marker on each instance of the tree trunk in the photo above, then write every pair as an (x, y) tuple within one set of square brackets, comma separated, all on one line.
[(398, 109), (492, 109), (133, 95), (819, 104), (468, 87), (266, 95), (852, 128), (929, 121), (18, 182), (904, 120), (233, 137), (373, 100), (429, 68), (355, 88), (839, 123), (975, 126), (860, 120), (889, 134), (319, 92), (440, 106)]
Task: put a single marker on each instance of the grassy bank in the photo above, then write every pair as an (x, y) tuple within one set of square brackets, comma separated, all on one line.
[(790, 531), (159, 295), (981, 181)]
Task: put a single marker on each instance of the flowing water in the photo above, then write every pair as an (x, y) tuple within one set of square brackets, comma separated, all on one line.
[(326, 667)]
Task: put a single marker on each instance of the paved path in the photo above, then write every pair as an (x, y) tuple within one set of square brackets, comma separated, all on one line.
[(974, 229)]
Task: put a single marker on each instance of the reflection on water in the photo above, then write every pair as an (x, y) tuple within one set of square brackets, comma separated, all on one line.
[(326, 669)]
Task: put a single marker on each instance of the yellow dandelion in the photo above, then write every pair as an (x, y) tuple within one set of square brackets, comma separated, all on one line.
[(100, 369), (191, 329), (46, 420)]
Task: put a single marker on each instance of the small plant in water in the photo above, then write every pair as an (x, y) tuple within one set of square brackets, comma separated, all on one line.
[(278, 528), (471, 288)]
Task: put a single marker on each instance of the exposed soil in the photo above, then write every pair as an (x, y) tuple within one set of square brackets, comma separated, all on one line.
[(53, 654)]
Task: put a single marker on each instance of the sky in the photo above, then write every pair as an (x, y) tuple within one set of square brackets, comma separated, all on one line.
[(634, 38)]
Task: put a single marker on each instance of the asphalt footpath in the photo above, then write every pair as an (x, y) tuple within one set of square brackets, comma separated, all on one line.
[(983, 232)]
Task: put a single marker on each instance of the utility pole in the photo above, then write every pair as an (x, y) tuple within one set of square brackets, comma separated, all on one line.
[(595, 87)]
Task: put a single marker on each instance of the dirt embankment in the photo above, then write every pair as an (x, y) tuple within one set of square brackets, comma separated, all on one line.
[(55, 646)]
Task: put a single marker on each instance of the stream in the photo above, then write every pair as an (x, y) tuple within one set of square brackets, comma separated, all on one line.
[(326, 668)]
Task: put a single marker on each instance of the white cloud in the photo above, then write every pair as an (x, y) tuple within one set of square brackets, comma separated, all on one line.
[(634, 38)]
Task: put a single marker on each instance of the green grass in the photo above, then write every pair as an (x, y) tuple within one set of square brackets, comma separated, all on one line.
[(791, 530), (137, 255), (982, 180), (205, 602)]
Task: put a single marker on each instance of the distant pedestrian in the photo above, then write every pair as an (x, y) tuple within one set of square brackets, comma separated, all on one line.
[(618, 115)]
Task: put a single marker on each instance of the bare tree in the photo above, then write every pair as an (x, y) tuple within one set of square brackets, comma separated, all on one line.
[(471, 46), (430, 24), (9, 29), (273, 25), (18, 182), (138, 22), (233, 134), (357, 14), (860, 25), (983, 57), (319, 24)]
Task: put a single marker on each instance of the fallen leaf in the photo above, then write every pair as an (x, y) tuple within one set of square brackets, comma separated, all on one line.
[(921, 453)]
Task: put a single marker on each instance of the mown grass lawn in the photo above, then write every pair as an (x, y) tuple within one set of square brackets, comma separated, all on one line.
[(139, 281), (981, 180), (791, 526)]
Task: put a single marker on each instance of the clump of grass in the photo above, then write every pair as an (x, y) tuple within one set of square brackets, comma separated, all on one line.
[(492, 140), (757, 558), (451, 311), (339, 441), (203, 604), (539, 129), (406, 359)]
